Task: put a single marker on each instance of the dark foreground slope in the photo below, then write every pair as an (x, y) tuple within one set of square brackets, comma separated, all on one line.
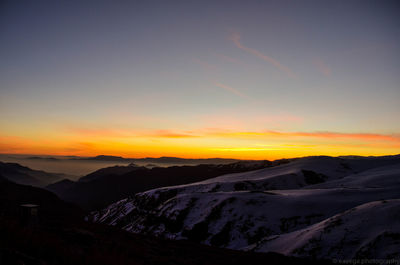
[(52, 209), (61, 237), (88, 244)]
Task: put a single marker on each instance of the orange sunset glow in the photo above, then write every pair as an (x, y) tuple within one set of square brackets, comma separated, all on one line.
[(203, 143)]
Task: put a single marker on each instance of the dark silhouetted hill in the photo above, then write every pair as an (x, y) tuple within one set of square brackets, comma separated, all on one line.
[(105, 186), (26, 176)]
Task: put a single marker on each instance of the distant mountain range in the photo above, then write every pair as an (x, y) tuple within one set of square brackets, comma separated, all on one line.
[(320, 207), (159, 160), (26, 176)]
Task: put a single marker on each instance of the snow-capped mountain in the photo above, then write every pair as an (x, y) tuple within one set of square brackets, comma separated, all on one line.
[(372, 229), (267, 209)]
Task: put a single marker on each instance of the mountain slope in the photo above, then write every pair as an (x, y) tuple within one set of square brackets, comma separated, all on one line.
[(300, 173), (379, 177), (371, 230), (243, 216), (26, 176), (238, 210), (104, 186), (115, 170)]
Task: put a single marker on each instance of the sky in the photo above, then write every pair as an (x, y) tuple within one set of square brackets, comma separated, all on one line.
[(238, 79)]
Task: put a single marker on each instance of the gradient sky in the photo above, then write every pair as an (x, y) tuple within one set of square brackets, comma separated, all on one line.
[(241, 79)]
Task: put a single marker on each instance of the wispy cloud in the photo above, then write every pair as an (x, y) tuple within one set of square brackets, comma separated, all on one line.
[(250, 121), (232, 90), (103, 132), (271, 119), (174, 134), (235, 37), (205, 65), (360, 136), (231, 133), (231, 59), (322, 67), (248, 149), (130, 133), (330, 135)]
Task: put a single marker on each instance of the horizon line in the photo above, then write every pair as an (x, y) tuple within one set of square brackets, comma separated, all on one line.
[(199, 158)]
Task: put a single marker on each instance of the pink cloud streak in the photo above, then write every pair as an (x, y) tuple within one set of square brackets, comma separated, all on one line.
[(231, 89), (322, 67), (235, 37)]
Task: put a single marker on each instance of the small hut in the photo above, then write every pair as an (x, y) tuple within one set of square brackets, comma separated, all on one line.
[(29, 214)]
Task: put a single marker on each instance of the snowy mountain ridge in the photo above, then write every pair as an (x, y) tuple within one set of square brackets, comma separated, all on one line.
[(265, 210)]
